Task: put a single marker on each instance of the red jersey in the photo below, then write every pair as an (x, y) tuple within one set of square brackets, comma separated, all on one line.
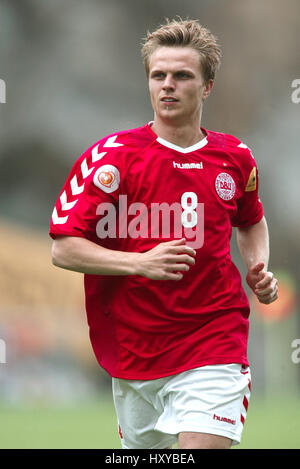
[(132, 190)]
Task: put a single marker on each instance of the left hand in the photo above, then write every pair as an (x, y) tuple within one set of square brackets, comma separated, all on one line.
[(263, 283)]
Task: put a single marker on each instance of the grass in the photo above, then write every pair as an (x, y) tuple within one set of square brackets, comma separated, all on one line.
[(271, 424), (87, 426)]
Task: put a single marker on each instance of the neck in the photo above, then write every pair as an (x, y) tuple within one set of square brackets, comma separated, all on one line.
[(181, 135)]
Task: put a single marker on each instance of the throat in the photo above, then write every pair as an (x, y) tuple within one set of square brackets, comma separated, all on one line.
[(180, 137)]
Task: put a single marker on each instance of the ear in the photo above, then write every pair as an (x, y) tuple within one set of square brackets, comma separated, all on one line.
[(207, 89)]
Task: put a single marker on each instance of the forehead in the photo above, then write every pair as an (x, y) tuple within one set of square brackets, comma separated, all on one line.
[(175, 58)]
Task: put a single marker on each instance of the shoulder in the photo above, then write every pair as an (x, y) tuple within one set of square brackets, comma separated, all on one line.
[(232, 145), (111, 153), (123, 141)]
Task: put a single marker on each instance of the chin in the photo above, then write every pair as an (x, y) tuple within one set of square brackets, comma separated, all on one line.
[(171, 114)]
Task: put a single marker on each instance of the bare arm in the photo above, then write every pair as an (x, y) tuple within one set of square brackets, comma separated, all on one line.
[(253, 243), (165, 261)]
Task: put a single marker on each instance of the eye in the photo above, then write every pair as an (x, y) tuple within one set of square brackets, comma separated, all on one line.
[(183, 75), (157, 75)]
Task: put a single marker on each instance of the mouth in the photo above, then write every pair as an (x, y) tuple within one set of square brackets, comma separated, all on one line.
[(169, 99)]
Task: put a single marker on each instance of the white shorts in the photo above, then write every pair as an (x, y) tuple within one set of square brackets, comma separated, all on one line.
[(209, 399)]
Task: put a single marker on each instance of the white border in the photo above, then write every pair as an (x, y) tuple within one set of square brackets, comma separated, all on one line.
[(194, 147)]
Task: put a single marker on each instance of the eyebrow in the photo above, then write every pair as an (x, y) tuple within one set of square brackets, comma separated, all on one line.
[(183, 70)]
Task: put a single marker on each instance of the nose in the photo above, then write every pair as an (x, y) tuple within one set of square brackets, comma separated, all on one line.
[(168, 83)]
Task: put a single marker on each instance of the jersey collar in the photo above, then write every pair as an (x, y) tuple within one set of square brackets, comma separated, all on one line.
[(172, 146)]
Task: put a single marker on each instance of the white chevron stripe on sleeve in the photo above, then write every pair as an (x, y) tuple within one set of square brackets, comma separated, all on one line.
[(58, 220), (85, 170), (111, 142), (65, 205), (75, 188), (95, 155)]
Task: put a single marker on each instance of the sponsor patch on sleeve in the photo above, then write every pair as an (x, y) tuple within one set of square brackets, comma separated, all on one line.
[(107, 178), (251, 184)]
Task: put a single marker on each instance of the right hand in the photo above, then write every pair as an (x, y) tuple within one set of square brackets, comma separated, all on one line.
[(263, 283), (166, 261)]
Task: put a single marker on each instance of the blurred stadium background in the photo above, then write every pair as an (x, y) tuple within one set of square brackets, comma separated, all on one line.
[(73, 74)]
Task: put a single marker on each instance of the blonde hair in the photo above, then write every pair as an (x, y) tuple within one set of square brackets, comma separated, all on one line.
[(183, 33)]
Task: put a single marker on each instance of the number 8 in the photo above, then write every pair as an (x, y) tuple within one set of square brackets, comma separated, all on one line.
[(189, 216)]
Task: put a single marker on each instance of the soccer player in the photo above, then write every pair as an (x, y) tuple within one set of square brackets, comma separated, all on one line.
[(147, 215)]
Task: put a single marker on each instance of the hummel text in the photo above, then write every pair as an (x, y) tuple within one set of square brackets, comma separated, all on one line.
[(223, 419), (188, 165)]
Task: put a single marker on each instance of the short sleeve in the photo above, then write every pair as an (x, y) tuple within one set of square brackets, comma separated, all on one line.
[(94, 179), (249, 207)]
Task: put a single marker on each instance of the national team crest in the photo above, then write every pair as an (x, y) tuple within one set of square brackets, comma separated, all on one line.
[(107, 178), (225, 186)]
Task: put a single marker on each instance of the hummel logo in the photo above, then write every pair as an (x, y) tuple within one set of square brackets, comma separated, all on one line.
[(223, 419), (188, 165)]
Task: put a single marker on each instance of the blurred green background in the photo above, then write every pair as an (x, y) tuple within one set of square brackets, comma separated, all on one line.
[(73, 74), (270, 424)]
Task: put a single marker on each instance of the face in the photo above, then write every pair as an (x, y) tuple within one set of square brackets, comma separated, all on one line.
[(177, 88)]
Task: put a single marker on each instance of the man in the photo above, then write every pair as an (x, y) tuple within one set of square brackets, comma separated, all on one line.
[(146, 214)]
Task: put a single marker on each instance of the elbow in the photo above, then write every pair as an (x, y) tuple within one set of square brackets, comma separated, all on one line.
[(62, 253), (55, 256)]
